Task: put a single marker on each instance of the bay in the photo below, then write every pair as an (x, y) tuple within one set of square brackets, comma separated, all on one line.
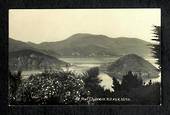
[(82, 64)]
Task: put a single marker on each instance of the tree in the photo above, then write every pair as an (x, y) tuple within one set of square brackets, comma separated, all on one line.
[(92, 81), (14, 80), (92, 85), (116, 84), (156, 47), (150, 82), (130, 81)]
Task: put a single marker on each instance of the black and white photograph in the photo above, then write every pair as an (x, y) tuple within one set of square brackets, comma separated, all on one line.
[(84, 56)]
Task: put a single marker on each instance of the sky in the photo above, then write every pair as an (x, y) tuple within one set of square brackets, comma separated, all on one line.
[(48, 25)]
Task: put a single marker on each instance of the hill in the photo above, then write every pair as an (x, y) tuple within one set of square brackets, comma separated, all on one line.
[(134, 63), (16, 45), (89, 45), (30, 59)]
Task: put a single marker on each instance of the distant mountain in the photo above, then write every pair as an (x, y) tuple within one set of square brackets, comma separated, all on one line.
[(89, 45), (29, 59), (16, 45), (134, 63)]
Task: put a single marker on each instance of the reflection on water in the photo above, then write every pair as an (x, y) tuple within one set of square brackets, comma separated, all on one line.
[(26, 74), (106, 81), (82, 64), (158, 79), (100, 60)]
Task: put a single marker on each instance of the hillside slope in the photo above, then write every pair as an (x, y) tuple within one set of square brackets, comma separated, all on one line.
[(134, 63), (30, 59), (89, 45), (16, 45)]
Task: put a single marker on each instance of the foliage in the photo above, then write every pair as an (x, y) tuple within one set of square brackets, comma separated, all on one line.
[(57, 87), (14, 80), (66, 87), (145, 95), (30, 60), (132, 87), (130, 81), (92, 81), (116, 85), (93, 72), (92, 84), (156, 48)]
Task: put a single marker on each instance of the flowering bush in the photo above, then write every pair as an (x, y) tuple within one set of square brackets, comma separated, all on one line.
[(57, 87)]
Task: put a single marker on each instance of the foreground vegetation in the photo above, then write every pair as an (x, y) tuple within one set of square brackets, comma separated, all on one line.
[(67, 87)]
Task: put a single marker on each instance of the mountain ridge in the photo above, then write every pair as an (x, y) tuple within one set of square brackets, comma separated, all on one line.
[(88, 34), (81, 43)]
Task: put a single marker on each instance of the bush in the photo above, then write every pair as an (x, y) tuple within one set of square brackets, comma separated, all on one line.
[(116, 85), (92, 84), (57, 87), (93, 72), (132, 87), (14, 80), (130, 81)]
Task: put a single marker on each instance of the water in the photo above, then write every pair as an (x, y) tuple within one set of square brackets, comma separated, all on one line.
[(82, 64), (106, 81), (86, 63), (26, 74)]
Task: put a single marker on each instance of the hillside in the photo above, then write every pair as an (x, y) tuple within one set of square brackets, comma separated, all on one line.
[(30, 59), (16, 45), (89, 45), (134, 63)]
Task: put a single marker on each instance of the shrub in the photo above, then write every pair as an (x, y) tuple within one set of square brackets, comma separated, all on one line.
[(92, 83), (57, 87), (116, 85), (93, 72), (130, 81), (14, 80)]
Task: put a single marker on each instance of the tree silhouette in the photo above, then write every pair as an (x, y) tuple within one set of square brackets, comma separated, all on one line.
[(116, 85), (14, 80), (130, 81), (92, 84), (92, 81), (156, 48), (150, 82)]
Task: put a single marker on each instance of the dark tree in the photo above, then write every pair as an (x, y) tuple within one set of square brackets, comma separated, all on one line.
[(93, 72), (156, 47), (14, 80), (92, 83), (116, 84), (130, 81), (150, 82)]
